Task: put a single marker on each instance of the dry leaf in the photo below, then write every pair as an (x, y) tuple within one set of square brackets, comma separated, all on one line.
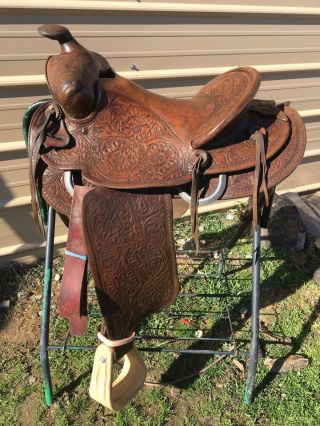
[(238, 364), (286, 363), (175, 392), (32, 380)]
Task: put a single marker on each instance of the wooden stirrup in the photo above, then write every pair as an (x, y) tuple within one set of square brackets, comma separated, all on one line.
[(115, 395)]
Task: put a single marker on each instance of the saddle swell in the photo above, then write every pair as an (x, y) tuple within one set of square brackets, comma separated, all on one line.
[(130, 152), (75, 88)]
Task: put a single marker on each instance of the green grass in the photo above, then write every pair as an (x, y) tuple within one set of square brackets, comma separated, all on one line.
[(289, 306)]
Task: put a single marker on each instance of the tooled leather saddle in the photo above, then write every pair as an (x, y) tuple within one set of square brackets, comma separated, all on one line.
[(126, 153)]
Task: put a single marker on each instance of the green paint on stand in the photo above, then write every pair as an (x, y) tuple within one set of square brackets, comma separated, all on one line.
[(47, 276), (247, 398), (48, 394), (26, 121)]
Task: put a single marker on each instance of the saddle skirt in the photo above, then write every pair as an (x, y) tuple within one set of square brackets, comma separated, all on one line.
[(128, 145)]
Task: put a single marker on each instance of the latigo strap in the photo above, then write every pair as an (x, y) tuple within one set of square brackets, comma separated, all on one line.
[(73, 291)]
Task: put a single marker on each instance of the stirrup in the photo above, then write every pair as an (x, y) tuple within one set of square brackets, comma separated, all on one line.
[(68, 182), (212, 197), (115, 395)]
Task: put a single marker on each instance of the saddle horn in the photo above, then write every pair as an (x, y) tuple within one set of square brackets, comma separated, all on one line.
[(62, 35), (73, 74)]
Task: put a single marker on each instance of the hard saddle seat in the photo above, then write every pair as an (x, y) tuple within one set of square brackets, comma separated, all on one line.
[(129, 153)]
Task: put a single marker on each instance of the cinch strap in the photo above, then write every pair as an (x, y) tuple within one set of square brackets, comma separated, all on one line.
[(115, 343), (78, 256)]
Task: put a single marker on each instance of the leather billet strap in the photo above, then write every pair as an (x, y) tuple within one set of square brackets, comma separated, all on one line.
[(130, 248), (201, 159), (73, 291)]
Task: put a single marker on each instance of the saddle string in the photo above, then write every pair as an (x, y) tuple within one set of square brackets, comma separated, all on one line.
[(197, 173), (261, 171), (34, 157)]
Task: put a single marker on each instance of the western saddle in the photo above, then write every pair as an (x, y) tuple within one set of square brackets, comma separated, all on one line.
[(112, 158)]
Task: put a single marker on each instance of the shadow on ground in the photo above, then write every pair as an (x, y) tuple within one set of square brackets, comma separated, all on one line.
[(295, 270)]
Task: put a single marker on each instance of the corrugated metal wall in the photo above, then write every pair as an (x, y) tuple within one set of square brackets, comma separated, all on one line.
[(176, 48)]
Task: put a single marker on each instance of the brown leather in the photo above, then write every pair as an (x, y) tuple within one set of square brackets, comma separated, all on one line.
[(75, 95), (73, 289), (132, 257), (56, 195), (240, 184), (116, 151), (279, 167), (133, 138), (73, 74)]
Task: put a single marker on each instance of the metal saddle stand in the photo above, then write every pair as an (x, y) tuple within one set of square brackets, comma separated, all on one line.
[(253, 353)]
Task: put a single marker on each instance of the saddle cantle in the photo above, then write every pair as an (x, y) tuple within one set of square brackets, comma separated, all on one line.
[(131, 152)]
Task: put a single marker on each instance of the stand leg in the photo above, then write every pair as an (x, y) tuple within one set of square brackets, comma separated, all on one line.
[(46, 309), (254, 351)]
